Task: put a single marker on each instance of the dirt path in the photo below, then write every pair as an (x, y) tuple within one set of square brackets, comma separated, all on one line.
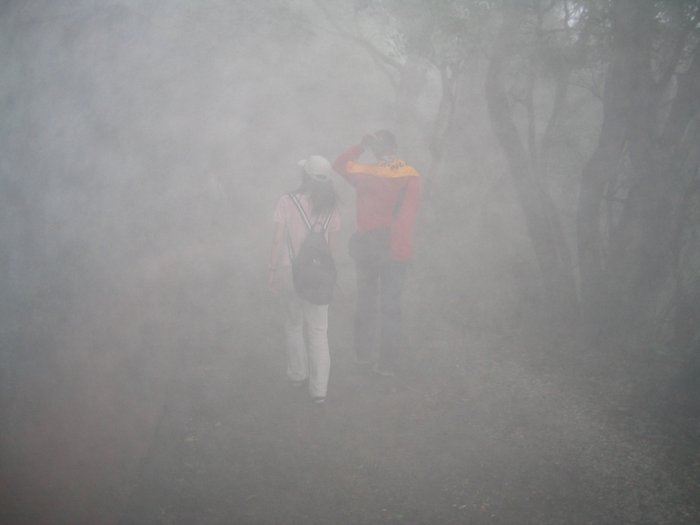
[(470, 435)]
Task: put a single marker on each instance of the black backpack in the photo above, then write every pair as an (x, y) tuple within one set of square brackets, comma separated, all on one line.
[(313, 268)]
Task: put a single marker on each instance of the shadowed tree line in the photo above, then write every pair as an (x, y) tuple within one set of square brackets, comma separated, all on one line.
[(595, 106)]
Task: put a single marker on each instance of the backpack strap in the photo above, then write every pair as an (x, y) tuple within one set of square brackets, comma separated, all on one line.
[(290, 248), (327, 221), (296, 202), (324, 223)]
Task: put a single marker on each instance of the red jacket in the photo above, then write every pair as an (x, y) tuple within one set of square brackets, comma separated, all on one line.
[(377, 188)]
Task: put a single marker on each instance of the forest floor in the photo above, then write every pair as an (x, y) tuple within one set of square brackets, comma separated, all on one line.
[(478, 429)]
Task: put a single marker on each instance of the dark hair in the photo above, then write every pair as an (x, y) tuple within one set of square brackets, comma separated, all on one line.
[(321, 193), (384, 143)]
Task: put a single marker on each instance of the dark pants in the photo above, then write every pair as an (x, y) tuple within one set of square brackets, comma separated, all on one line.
[(379, 285)]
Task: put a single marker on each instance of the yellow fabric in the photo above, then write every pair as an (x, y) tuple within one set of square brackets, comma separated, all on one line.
[(392, 169)]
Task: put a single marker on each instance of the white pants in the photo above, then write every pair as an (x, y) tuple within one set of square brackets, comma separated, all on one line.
[(308, 355)]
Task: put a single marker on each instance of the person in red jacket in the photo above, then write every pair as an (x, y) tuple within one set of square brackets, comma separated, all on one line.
[(387, 199)]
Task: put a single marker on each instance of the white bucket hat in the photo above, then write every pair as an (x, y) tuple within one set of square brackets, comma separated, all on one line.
[(317, 167)]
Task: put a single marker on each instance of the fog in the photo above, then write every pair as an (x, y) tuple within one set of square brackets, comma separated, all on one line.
[(144, 147)]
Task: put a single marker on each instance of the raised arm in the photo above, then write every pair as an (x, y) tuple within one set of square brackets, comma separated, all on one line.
[(346, 159)]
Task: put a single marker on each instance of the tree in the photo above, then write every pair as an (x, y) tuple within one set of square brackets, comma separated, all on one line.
[(525, 165), (644, 160), (410, 41)]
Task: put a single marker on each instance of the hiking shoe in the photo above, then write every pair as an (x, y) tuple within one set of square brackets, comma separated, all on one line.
[(382, 371), (318, 400)]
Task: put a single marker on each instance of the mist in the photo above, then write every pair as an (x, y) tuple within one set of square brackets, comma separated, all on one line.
[(549, 357)]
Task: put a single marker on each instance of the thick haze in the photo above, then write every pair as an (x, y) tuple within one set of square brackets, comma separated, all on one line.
[(143, 146)]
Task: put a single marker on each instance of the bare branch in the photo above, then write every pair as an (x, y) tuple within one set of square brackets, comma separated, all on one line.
[(685, 104), (387, 64), (561, 89), (551, 5), (675, 56)]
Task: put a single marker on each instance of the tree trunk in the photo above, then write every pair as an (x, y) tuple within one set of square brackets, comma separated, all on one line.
[(622, 289), (449, 76), (541, 217), (659, 159), (603, 165)]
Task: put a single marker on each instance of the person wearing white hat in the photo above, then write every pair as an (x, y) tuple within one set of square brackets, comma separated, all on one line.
[(308, 353)]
